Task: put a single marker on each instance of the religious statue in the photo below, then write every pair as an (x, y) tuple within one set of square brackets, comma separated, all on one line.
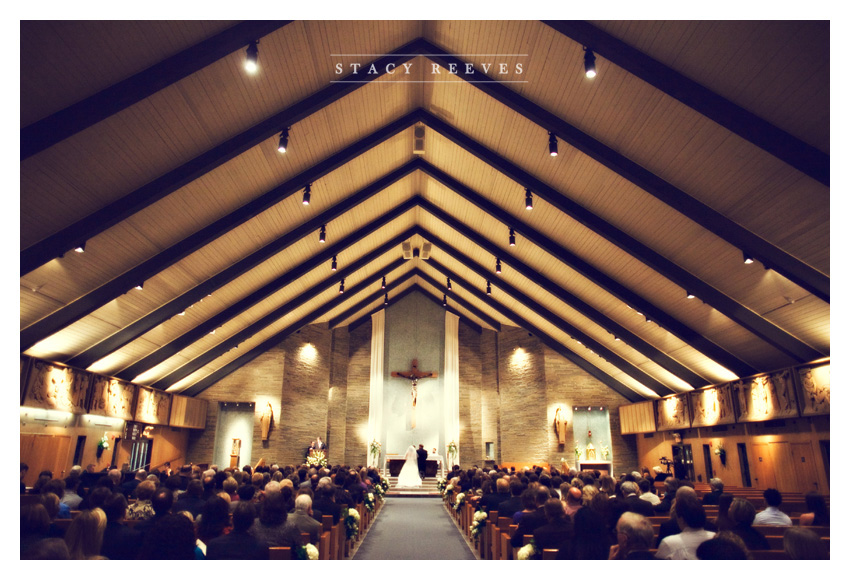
[(266, 421), (590, 453), (414, 375), (560, 426)]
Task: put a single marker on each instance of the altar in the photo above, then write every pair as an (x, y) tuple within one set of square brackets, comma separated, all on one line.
[(434, 464), (603, 466)]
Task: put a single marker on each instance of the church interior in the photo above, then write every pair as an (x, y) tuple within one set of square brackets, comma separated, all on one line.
[(567, 244)]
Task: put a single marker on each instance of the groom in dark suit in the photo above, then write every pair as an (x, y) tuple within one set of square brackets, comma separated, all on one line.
[(421, 458)]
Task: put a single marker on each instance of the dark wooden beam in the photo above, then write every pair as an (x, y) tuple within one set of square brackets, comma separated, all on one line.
[(76, 234), (123, 283), (203, 329), (179, 304), (633, 340), (715, 222), (275, 340), (246, 333), (60, 125), (462, 302), (780, 144), (600, 349), (764, 329)]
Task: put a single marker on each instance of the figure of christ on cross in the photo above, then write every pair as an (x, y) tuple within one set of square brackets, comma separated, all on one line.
[(414, 375)]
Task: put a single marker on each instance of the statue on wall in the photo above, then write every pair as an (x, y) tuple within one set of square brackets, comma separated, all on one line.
[(414, 375), (266, 421), (560, 426)]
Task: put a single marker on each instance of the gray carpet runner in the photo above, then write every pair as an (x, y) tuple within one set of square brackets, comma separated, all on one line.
[(414, 528)]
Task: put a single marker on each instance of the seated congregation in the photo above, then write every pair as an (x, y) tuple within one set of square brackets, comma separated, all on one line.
[(270, 512), (544, 514)]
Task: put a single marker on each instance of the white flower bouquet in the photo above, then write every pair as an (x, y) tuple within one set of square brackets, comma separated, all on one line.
[(479, 520), (527, 552)]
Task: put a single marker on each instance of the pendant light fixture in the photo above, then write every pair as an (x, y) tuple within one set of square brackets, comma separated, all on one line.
[(342, 286), (529, 202), (589, 63), (488, 288), (283, 142), (498, 266), (322, 234), (449, 284), (553, 145), (333, 264), (306, 197), (511, 238), (251, 56)]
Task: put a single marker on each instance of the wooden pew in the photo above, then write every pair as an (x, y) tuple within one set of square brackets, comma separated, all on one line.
[(550, 554), (328, 526), (324, 546), (280, 553), (768, 555)]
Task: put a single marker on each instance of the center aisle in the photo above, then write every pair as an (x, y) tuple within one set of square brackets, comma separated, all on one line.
[(414, 528)]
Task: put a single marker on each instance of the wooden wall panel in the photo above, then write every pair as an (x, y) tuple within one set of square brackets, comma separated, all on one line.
[(637, 418), (42, 452), (188, 412)]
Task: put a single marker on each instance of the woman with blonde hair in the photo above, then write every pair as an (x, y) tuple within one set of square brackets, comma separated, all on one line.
[(85, 534), (588, 492)]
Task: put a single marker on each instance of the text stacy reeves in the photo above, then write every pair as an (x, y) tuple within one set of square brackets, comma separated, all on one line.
[(468, 68)]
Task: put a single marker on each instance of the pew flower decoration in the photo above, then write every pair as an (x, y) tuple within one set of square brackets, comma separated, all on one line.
[(528, 551), (479, 520), (451, 451), (605, 452), (307, 552), (352, 523), (369, 502), (459, 501), (447, 492), (102, 445), (441, 486), (379, 490)]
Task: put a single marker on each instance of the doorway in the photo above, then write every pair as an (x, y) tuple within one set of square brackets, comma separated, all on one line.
[(140, 454), (745, 465), (706, 454)]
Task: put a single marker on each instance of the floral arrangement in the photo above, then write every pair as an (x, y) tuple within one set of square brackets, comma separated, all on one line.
[(381, 489), (479, 520), (369, 502), (307, 552), (102, 445), (459, 501), (528, 551), (316, 458), (451, 451), (441, 486), (605, 452), (448, 490), (375, 451), (352, 522), (578, 452), (721, 453)]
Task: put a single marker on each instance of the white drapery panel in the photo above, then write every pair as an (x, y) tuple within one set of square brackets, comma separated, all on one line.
[(451, 385), (376, 382)]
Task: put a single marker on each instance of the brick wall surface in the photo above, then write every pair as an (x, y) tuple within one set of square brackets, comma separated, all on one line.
[(357, 397), (338, 394), (469, 346), (490, 400)]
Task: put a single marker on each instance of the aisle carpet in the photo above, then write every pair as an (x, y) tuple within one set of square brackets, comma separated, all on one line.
[(414, 528)]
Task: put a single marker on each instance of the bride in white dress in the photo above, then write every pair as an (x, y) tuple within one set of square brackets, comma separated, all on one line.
[(409, 475)]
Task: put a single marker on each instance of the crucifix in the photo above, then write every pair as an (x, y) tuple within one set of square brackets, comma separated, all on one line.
[(414, 375)]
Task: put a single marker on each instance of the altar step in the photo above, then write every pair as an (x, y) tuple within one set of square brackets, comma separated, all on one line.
[(428, 489)]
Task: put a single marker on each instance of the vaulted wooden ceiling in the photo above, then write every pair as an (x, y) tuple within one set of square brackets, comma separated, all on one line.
[(697, 143)]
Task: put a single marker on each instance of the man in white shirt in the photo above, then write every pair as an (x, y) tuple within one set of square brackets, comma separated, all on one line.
[(772, 515), (690, 516), (646, 492)]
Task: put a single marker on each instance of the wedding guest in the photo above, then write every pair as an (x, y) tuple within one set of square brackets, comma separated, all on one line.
[(742, 513), (772, 515), (85, 534), (818, 514), (803, 544)]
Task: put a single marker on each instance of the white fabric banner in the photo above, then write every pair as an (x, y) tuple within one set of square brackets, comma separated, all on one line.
[(451, 386), (376, 384)]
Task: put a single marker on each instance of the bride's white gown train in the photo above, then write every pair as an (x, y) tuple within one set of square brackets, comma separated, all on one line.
[(409, 475)]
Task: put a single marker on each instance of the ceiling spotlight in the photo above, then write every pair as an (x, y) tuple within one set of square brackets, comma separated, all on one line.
[(589, 63), (444, 301), (690, 295), (498, 266), (747, 258), (511, 238), (647, 319), (616, 338), (212, 331), (386, 299), (342, 286), (333, 264), (81, 248), (383, 283), (553, 144), (139, 286), (251, 57), (449, 284), (283, 142), (306, 199), (488, 287), (529, 203), (181, 313), (322, 234)]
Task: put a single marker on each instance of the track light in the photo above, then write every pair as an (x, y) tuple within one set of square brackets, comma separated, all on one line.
[(333, 264), (444, 301), (747, 258), (589, 63), (553, 144), (386, 299), (283, 142), (81, 248), (383, 283), (342, 286), (251, 57), (498, 266), (306, 199), (690, 295), (488, 288), (529, 203), (512, 238), (449, 284), (322, 234)]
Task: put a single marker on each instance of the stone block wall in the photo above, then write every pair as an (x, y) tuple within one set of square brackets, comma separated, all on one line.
[(357, 395), (469, 343)]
